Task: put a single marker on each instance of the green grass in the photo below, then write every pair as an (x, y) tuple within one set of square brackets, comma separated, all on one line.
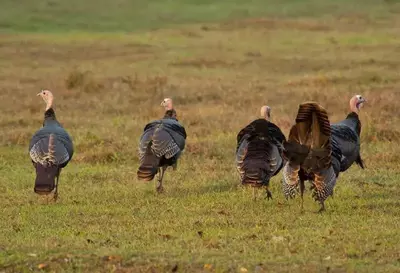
[(131, 15), (104, 211), (219, 69)]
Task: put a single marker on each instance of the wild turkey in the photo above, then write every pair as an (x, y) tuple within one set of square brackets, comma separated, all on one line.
[(50, 149), (161, 145), (311, 154), (259, 151), (347, 135)]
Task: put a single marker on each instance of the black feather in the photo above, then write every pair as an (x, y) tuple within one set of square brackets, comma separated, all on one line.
[(49, 144), (346, 136), (45, 178), (160, 145), (259, 152)]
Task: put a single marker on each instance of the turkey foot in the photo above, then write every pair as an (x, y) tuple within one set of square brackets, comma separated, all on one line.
[(160, 189), (322, 209), (55, 196)]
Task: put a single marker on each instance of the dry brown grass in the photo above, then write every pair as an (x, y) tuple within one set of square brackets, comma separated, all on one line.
[(110, 87)]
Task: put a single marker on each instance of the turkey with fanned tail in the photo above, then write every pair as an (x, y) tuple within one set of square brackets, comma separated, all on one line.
[(259, 152), (346, 134), (161, 145), (311, 154), (50, 149)]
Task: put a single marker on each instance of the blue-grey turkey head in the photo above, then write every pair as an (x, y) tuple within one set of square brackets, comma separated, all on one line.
[(50, 149), (311, 155), (161, 145), (346, 134), (259, 152)]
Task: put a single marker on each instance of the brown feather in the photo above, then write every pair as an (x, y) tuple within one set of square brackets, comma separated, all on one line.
[(309, 140)]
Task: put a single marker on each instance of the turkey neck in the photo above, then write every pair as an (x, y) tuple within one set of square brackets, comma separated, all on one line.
[(49, 117), (170, 114), (355, 121)]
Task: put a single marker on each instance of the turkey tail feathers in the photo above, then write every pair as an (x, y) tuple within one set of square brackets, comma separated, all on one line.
[(309, 139), (45, 178), (155, 145), (256, 177), (309, 153), (313, 125), (149, 165), (257, 161)]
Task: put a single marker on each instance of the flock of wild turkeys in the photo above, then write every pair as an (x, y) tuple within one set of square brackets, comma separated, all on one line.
[(315, 150)]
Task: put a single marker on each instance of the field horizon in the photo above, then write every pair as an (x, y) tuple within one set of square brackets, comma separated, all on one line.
[(109, 66)]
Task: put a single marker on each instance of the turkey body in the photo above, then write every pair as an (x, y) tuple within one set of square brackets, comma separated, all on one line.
[(161, 145), (312, 154), (50, 149), (347, 136), (259, 153)]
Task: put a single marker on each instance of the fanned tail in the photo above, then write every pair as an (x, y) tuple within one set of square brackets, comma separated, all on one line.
[(309, 148), (309, 138)]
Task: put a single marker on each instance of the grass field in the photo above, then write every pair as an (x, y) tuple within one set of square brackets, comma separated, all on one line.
[(110, 64)]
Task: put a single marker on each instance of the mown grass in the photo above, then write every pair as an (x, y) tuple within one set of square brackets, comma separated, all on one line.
[(109, 85)]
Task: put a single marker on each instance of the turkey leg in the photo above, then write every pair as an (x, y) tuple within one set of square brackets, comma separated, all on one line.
[(159, 186), (302, 187), (318, 193), (55, 196)]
